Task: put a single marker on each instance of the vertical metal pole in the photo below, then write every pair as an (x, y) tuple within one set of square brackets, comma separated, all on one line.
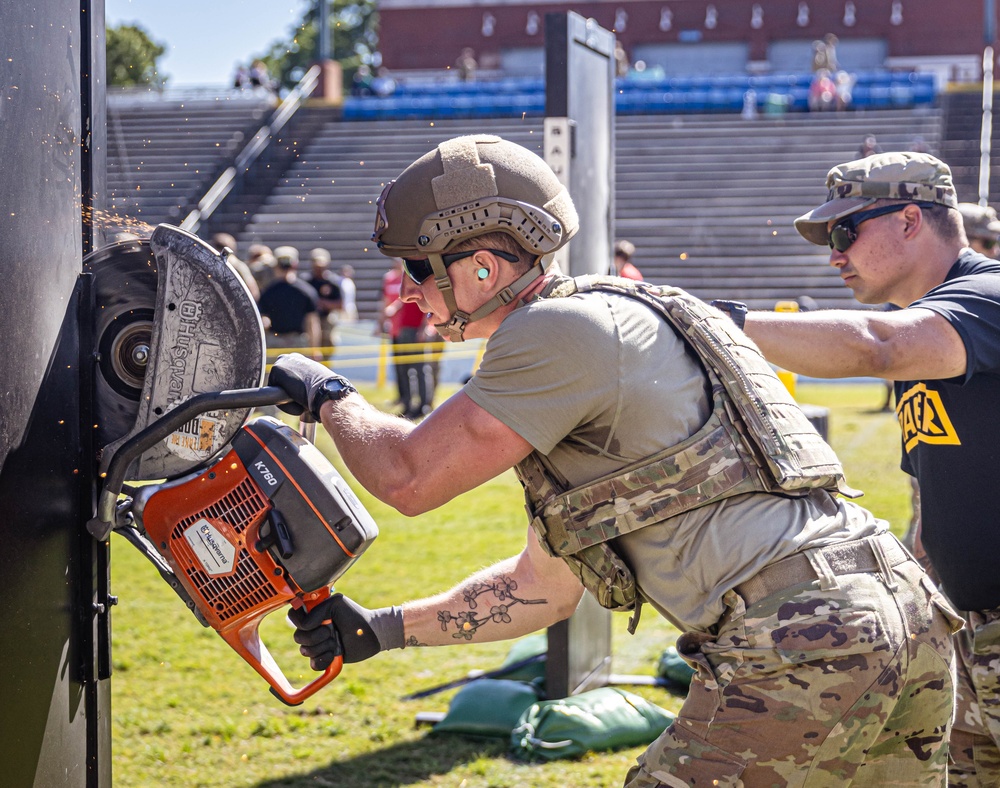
[(323, 20), (93, 567), (579, 145), (986, 135)]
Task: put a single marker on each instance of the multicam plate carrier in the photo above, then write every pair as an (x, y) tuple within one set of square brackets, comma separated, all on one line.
[(756, 439)]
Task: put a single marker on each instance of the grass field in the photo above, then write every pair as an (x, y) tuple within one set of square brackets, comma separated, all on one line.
[(187, 711)]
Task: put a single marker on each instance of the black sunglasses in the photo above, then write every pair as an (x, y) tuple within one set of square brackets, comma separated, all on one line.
[(845, 232), (419, 270)]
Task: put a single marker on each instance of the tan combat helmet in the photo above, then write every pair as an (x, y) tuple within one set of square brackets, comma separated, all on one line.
[(467, 187)]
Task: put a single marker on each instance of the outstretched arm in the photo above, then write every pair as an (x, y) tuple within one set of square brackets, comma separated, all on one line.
[(909, 344), (413, 469), (416, 469)]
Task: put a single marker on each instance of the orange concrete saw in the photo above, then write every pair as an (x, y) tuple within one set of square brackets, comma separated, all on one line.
[(251, 517)]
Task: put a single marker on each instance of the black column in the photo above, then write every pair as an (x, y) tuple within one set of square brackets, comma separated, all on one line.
[(54, 691)]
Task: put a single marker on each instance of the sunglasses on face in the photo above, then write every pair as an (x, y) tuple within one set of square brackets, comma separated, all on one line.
[(419, 270), (845, 232)]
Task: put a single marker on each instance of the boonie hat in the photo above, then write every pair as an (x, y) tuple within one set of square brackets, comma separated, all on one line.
[(319, 255), (980, 222), (287, 256), (624, 249), (885, 176)]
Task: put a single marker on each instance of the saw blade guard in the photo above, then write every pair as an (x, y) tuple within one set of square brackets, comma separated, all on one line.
[(204, 335)]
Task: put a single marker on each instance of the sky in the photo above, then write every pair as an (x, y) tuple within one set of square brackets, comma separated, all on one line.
[(206, 38)]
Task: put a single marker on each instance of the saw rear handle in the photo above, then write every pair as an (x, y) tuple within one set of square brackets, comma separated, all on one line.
[(246, 642)]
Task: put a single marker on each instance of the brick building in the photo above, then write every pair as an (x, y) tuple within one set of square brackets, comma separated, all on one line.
[(698, 36)]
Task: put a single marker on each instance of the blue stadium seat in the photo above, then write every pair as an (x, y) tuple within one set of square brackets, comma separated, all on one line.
[(901, 95), (880, 78), (639, 94), (880, 96), (924, 92), (861, 96), (798, 98)]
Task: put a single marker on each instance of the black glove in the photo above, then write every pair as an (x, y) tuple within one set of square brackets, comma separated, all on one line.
[(303, 380), (734, 310), (339, 626)]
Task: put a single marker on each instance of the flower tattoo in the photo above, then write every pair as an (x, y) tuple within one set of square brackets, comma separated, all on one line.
[(467, 623)]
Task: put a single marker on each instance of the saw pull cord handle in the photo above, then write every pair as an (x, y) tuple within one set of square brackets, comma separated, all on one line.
[(247, 643)]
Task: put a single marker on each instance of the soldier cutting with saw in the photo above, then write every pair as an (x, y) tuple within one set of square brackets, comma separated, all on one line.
[(663, 463)]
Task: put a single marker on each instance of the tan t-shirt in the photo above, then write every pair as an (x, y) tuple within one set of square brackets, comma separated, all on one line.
[(597, 381)]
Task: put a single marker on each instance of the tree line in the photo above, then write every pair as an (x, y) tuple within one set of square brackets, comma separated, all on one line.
[(133, 52)]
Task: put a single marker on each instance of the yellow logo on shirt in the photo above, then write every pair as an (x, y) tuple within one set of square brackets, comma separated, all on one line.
[(922, 417)]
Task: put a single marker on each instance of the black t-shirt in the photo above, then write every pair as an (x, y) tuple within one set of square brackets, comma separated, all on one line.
[(287, 304), (326, 287), (951, 438)]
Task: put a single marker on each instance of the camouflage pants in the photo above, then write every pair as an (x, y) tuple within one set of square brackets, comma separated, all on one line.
[(810, 687), (328, 333), (975, 738)]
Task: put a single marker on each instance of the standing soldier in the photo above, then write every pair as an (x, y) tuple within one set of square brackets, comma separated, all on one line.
[(290, 307), (981, 227), (329, 301), (895, 235), (652, 475)]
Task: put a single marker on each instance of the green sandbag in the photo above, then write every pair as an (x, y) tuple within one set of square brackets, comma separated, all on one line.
[(488, 707), (602, 719), (673, 668), (524, 649)]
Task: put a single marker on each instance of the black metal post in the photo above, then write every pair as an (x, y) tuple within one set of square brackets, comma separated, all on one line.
[(579, 146), (54, 647), (323, 20)]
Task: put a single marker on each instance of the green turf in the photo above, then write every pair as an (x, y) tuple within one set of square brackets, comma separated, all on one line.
[(187, 711)]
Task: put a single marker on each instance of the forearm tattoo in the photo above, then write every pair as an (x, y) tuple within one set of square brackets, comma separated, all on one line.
[(467, 623)]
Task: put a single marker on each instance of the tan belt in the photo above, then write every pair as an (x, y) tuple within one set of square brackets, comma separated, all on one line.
[(871, 554)]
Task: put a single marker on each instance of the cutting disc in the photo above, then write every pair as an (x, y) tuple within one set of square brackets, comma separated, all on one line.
[(173, 320), (124, 284)]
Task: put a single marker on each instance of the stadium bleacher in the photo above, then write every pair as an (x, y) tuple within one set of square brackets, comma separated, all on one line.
[(708, 197), (163, 154), (961, 143)]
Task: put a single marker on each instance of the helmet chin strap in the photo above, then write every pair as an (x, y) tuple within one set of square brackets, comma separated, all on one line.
[(453, 329)]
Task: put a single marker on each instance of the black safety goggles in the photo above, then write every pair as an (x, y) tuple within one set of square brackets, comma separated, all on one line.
[(419, 270), (845, 232)]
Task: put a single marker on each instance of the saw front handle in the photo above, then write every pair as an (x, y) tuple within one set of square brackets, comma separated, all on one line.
[(101, 525), (246, 641)]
